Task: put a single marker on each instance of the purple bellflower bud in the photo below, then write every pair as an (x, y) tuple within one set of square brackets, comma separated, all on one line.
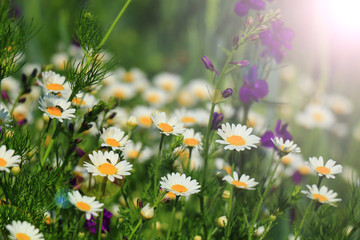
[(208, 64), (216, 120), (227, 93)]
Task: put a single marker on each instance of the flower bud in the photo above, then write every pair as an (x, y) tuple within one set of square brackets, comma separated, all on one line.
[(227, 93), (208, 64), (132, 123), (197, 237), (226, 194), (15, 170), (236, 41), (261, 18), (222, 221), (216, 120), (254, 37), (263, 28), (259, 231), (147, 212), (249, 21)]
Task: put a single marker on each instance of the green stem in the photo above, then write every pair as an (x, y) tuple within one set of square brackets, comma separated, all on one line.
[(303, 220), (228, 230), (171, 218), (135, 229), (48, 149), (189, 162), (262, 198), (114, 23), (100, 225), (103, 187)]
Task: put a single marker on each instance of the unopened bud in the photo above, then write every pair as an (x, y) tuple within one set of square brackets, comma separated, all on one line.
[(254, 37), (132, 123), (227, 93), (15, 170), (222, 221), (272, 217), (263, 28), (226, 194), (249, 21), (260, 18), (197, 237), (147, 212)]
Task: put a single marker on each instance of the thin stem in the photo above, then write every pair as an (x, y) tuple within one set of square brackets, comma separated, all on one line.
[(100, 225), (172, 217), (228, 231), (189, 162), (135, 229), (303, 220), (114, 23), (262, 198), (320, 180), (103, 187), (48, 149)]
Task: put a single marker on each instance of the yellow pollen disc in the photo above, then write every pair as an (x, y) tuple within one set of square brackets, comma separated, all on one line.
[(133, 154), (188, 120), (54, 111), (153, 98), (19, 116), (179, 188), (168, 86), (112, 142), (200, 94), (55, 87), (128, 77), (236, 140), (304, 170), (2, 162), (318, 117), (228, 169), (286, 160), (145, 121), (165, 127), (83, 206), (191, 142), (107, 168), (338, 108), (171, 195), (78, 101), (251, 123), (319, 197), (323, 170), (239, 184), (22, 236), (119, 93)]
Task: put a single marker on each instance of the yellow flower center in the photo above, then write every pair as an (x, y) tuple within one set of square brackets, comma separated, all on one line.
[(165, 127), (145, 121), (128, 77), (236, 140), (318, 117), (112, 142), (239, 184), (78, 101), (323, 170), (171, 195), (153, 98), (286, 160), (320, 197), (228, 169), (2, 162), (22, 236), (133, 154), (19, 116), (55, 111), (191, 142), (188, 120), (83, 206), (119, 93), (179, 188), (200, 93), (304, 170), (251, 123), (55, 87), (107, 168), (168, 86)]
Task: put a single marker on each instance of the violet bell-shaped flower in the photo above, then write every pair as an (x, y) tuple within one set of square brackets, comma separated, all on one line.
[(209, 65), (280, 132), (253, 88), (216, 120), (242, 7)]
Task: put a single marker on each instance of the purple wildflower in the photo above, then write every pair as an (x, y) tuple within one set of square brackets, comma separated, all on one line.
[(296, 177), (5, 96), (216, 120), (208, 64), (227, 93), (276, 40), (242, 7), (91, 224), (253, 88), (280, 131)]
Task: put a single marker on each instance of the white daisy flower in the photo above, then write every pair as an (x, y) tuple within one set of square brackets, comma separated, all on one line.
[(4, 115), (60, 60), (187, 117), (86, 101), (237, 137), (8, 159), (185, 99), (316, 116), (23, 231), (147, 212), (245, 182), (192, 139), (323, 195), (328, 170), (285, 147), (167, 81), (117, 117), (155, 97), (105, 164), (136, 151), (11, 86), (180, 185), (143, 114), (200, 89), (28, 68), (55, 107), (167, 126), (53, 82), (86, 204), (122, 91), (339, 104), (114, 137)]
